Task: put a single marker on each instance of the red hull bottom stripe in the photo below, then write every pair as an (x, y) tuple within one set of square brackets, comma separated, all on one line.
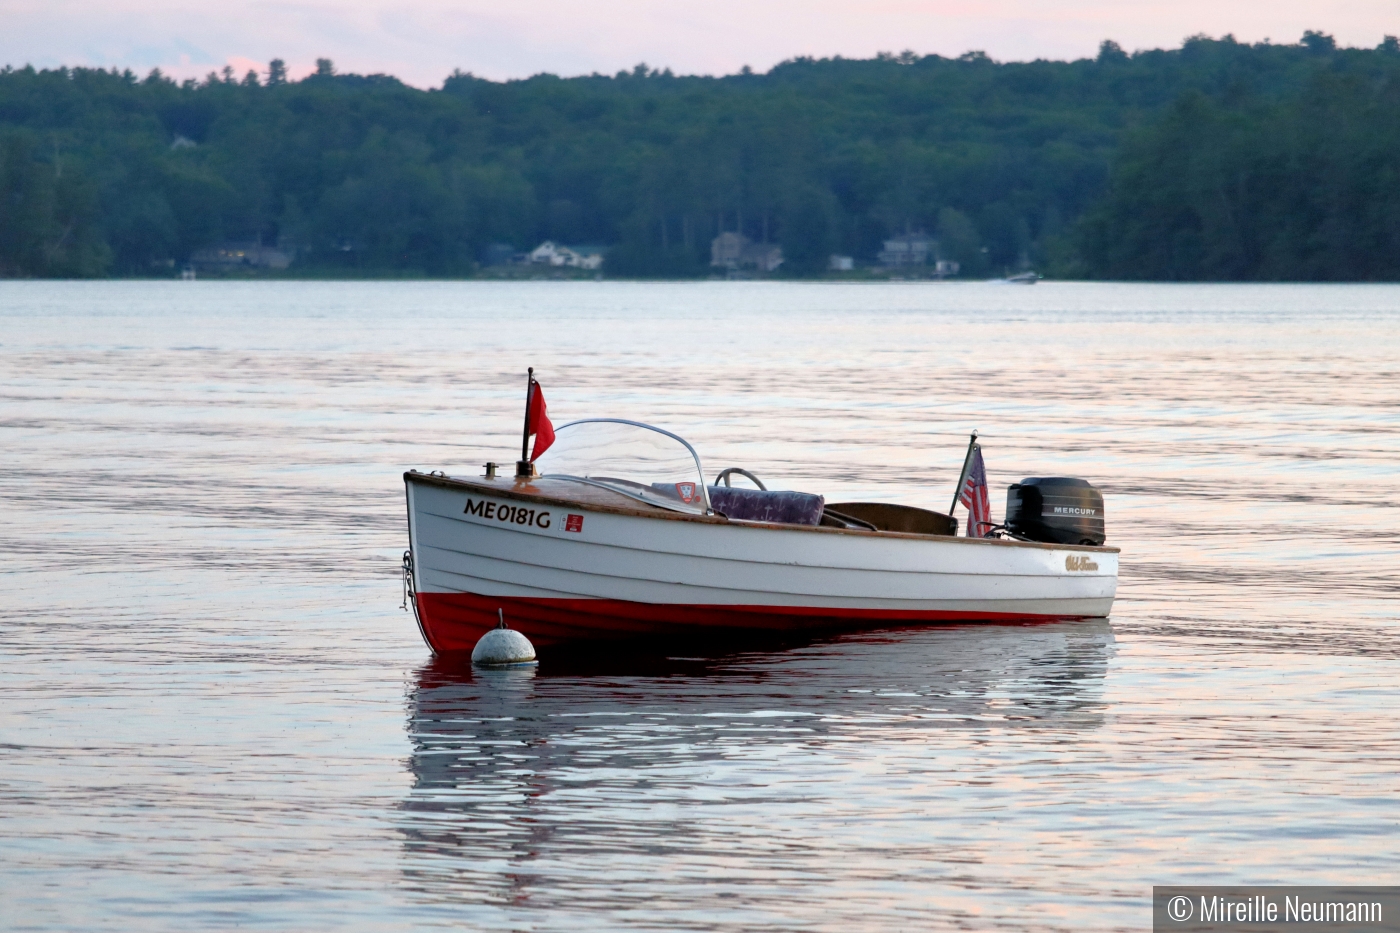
[(454, 621)]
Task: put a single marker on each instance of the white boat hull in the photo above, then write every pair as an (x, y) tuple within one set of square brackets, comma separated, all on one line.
[(564, 571)]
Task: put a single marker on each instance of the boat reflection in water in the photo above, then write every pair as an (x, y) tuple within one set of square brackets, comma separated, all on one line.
[(656, 782)]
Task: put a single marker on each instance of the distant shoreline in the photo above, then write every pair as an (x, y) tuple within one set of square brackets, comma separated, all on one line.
[(661, 280), (1218, 161)]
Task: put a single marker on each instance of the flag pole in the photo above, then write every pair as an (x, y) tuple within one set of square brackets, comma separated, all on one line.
[(522, 466), (962, 477)]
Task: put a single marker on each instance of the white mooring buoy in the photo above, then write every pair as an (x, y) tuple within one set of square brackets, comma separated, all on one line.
[(503, 647)]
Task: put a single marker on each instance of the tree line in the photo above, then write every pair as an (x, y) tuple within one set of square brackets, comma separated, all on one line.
[(1217, 160)]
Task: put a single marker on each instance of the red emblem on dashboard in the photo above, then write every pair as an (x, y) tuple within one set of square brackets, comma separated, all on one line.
[(687, 492)]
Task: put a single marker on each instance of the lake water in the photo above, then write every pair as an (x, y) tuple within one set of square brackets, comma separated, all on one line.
[(214, 714)]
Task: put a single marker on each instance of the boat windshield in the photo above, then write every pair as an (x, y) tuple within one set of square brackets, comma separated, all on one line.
[(637, 460)]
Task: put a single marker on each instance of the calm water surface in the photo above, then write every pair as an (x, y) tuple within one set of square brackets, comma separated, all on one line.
[(213, 713)]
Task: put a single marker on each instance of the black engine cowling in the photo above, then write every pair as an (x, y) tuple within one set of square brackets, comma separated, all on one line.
[(1055, 510)]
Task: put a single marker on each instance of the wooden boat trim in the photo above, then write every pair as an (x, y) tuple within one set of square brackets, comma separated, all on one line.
[(598, 499)]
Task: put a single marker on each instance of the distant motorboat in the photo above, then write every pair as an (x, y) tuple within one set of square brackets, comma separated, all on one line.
[(614, 532), (1024, 278)]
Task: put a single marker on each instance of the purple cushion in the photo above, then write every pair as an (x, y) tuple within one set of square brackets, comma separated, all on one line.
[(759, 505)]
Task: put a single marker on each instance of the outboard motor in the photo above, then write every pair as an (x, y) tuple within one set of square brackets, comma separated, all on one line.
[(1055, 510)]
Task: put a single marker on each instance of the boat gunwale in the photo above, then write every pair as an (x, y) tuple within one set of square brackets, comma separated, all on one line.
[(452, 482)]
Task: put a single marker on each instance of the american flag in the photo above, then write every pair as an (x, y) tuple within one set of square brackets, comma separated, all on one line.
[(973, 495)]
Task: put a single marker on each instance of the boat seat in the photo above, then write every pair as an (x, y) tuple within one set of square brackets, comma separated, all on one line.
[(886, 516), (767, 505)]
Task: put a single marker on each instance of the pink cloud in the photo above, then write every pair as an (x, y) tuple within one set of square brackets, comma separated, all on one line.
[(241, 66)]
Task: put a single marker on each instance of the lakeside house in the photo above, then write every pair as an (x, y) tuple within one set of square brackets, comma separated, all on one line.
[(236, 256), (575, 257), (735, 251), (907, 249), (916, 250)]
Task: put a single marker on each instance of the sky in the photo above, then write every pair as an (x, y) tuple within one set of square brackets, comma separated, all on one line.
[(423, 42)]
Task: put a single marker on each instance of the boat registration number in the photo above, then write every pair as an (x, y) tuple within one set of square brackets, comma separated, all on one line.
[(507, 514)]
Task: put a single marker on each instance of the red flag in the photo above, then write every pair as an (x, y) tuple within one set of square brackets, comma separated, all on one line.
[(539, 422)]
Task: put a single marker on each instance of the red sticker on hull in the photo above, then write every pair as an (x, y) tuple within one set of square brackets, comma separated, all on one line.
[(573, 523)]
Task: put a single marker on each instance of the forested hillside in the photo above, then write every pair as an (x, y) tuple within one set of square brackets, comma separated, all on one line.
[(1217, 160)]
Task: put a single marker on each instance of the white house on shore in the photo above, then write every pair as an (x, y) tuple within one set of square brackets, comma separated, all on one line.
[(575, 257), (234, 256), (908, 249), (914, 250), (735, 251)]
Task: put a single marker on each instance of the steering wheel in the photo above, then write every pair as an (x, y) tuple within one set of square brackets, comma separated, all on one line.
[(725, 474)]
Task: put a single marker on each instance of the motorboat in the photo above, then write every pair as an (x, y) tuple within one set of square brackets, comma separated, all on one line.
[(614, 532)]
